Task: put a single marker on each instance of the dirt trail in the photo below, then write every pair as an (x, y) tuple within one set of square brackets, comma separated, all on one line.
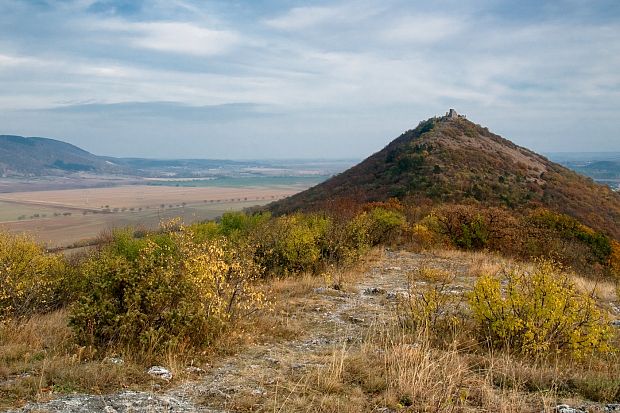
[(329, 319)]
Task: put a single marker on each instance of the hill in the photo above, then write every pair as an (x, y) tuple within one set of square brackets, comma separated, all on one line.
[(451, 159), (21, 156)]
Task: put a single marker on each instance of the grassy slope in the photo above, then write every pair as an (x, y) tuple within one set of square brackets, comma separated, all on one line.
[(328, 350)]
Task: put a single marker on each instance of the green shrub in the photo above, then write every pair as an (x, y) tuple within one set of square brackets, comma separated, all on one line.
[(614, 258), (431, 307), (346, 240), (385, 225), (240, 223), (291, 244), (31, 280), (204, 231), (557, 235), (162, 291), (538, 312), (465, 226)]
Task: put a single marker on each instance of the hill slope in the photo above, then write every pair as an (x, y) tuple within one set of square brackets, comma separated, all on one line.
[(20, 156), (451, 159)]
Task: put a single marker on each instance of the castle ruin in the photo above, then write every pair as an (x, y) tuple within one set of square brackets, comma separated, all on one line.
[(452, 114)]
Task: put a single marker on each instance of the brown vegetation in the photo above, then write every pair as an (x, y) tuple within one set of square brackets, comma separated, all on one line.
[(458, 161)]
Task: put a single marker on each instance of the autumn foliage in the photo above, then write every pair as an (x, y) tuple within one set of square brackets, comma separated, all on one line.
[(539, 312)]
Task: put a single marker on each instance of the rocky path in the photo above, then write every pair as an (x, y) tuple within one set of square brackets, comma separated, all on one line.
[(329, 319)]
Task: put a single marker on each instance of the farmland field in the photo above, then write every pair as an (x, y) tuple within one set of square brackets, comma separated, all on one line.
[(72, 215), (10, 211)]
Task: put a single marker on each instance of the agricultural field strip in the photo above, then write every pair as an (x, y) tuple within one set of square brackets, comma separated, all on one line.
[(47, 204), (142, 196)]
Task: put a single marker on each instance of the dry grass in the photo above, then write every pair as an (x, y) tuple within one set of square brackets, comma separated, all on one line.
[(478, 262), (389, 364), (604, 290), (390, 370), (396, 371), (38, 359), (410, 370)]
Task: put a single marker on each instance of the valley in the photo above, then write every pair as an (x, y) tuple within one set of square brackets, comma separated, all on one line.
[(62, 218), (70, 208)]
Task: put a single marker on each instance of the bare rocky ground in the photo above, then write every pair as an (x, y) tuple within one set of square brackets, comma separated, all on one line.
[(326, 319)]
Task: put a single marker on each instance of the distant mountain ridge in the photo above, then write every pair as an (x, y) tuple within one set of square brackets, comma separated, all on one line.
[(451, 159), (34, 156)]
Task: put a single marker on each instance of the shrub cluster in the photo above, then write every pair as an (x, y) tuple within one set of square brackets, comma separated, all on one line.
[(291, 244), (185, 284), (537, 312), (538, 233), (31, 280), (431, 308), (164, 289)]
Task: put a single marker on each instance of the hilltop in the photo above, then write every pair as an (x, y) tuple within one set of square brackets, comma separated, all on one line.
[(451, 159), (33, 156)]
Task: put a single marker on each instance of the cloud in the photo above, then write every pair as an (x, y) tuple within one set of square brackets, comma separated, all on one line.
[(339, 71), (13, 61), (303, 17), (183, 38), (300, 18), (173, 37), (422, 29), (171, 110)]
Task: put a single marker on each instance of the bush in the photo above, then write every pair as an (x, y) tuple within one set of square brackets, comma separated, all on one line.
[(31, 280), (346, 240), (422, 236), (614, 258), (538, 312), (384, 225), (239, 223), (163, 290), (474, 228), (431, 307), (291, 244), (204, 231), (553, 234)]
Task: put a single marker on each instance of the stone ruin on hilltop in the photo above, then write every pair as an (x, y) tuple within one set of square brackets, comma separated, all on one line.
[(452, 114)]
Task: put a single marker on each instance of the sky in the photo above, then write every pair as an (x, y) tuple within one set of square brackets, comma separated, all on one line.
[(265, 79)]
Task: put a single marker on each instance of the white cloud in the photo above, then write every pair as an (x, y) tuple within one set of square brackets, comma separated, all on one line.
[(8, 61), (186, 38), (313, 16), (353, 61), (303, 17), (171, 36), (422, 29)]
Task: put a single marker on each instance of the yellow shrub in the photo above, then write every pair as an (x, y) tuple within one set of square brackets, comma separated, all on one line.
[(30, 279), (539, 312), (432, 306), (423, 236), (173, 290)]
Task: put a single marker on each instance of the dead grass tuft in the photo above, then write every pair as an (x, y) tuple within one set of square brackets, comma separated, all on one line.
[(38, 359)]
